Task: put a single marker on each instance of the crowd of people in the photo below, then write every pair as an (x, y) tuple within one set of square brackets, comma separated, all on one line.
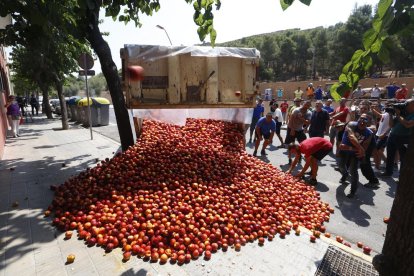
[(367, 135)]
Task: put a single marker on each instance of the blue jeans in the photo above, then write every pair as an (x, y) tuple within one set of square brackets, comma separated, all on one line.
[(348, 165), (394, 143)]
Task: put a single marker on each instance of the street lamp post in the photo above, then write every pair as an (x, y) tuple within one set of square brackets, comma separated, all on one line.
[(162, 28)]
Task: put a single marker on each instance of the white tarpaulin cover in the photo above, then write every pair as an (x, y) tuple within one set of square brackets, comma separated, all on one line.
[(153, 52)]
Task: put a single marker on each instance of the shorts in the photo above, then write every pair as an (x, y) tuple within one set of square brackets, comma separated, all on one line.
[(381, 143), (278, 127), (320, 154), (332, 133), (265, 136), (299, 135)]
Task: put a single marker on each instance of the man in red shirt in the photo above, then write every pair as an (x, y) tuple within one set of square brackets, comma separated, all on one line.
[(284, 107), (401, 93), (314, 149), (339, 114)]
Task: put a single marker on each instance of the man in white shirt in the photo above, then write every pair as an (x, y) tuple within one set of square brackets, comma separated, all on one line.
[(278, 117), (376, 92), (382, 135)]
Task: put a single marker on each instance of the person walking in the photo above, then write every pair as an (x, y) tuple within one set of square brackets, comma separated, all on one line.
[(34, 104), (13, 115), (355, 142), (314, 149), (258, 112), (265, 129)]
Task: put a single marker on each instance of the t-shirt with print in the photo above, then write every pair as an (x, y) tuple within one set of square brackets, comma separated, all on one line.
[(361, 134)]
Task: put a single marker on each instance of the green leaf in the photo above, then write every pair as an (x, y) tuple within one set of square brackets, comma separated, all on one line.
[(357, 55), (335, 93), (345, 69), (343, 78), (306, 2), (376, 47), (369, 38), (367, 62), (285, 4), (213, 36), (201, 33), (383, 6)]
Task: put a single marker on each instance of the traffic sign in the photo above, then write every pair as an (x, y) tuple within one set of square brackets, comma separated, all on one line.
[(85, 61), (88, 73)]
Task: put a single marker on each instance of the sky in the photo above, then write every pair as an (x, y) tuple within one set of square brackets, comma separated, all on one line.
[(234, 20)]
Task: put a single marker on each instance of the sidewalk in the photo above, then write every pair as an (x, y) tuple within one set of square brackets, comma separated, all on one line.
[(45, 155)]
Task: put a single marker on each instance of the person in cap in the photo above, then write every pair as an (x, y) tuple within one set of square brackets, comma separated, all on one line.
[(258, 112), (265, 130), (402, 93), (355, 141), (314, 149)]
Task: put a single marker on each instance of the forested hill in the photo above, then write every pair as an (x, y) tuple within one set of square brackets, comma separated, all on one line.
[(321, 52)]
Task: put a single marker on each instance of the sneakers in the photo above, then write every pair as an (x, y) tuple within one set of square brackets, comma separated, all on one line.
[(255, 153), (312, 182), (263, 152)]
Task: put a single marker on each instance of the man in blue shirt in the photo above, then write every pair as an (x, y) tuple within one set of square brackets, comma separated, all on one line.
[(391, 89), (258, 112), (318, 93), (355, 142), (327, 106), (265, 129)]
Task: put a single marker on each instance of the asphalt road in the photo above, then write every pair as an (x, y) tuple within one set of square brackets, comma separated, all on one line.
[(357, 219)]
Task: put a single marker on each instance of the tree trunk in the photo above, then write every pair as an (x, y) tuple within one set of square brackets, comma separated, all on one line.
[(62, 102), (46, 106), (397, 256), (110, 72)]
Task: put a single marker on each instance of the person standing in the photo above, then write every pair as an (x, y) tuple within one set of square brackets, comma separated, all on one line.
[(319, 122), (340, 113), (265, 129), (401, 128), (375, 92), (319, 93), (314, 149), (381, 135), (298, 93), (402, 93), (327, 106), (34, 104), (13, 115), (279, 93), (355, 141), (391, 89), (284, 107), (358, 93), (278, 117), (258, 112), (310, 91)]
